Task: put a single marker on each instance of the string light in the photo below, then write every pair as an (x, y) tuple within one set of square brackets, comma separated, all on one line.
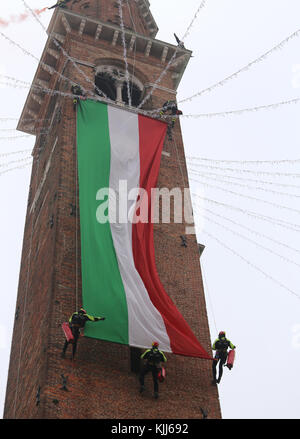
[(6, 154), (286, 194), (15, 168), (124, 51), (15, 137), (26, 52), (251, 264), (198, 172), (66, 54), (172, 60), (240, 235), (255, 232), (270, 203), (275, 221), (243, 69), (274, 174), (240, 112), (247, 162)]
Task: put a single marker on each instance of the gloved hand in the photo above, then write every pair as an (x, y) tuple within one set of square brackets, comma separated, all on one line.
[(102, 318)]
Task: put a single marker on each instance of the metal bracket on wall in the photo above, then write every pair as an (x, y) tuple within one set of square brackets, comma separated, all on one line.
[(183, 241), (204, 413), (73, 210), (51, 221), (65, 381), (17, 313), (38, 396)]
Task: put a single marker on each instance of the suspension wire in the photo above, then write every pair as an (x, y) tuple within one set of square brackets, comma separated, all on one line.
[(209, 297), (240, 235), (179, 161), (197, 172), (286, 194), (270, 203), (59, 46), (24, 315), (269, 219), (76, 213), (172, 61), (247, 162), (247, 171), (251, 264), (243, 69), (120, 5), (255, 232)]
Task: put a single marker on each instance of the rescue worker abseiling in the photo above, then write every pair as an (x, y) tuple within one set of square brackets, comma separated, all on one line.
[(221, 346), (153, 358), (77, 322)]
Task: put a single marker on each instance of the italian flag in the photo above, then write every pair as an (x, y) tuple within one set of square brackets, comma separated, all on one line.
[(119, 276)]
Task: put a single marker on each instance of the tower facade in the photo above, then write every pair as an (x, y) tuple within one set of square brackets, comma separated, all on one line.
[(85, 46)]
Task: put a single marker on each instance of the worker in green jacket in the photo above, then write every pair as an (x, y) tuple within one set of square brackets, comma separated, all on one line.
[(221, 346), (152, 363), (77, 322)]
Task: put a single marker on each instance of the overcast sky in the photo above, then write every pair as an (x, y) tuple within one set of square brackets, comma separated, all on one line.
[(252, 293)]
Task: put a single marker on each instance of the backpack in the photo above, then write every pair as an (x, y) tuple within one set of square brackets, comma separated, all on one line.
[(78, 319), (154, 357), (222, 345)]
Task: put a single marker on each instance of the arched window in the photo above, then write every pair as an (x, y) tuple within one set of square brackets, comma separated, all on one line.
[(111, 80), (135, 94), (107, 84)]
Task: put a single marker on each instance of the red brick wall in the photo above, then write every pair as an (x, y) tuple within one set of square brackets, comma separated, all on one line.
[(109, 11), (49, 295)]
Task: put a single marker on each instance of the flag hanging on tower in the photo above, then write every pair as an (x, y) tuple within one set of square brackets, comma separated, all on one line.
[(119, 155)]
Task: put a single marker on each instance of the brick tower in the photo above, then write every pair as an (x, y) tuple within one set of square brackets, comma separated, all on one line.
[(102, 381)]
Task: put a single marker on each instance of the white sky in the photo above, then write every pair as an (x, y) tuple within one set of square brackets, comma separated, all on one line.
[(260, 316)]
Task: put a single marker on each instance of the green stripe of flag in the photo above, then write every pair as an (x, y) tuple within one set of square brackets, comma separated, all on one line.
[(102, 288)]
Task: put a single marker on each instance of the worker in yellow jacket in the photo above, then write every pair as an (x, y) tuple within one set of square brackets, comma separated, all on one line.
[(221, 346), (77, 322)]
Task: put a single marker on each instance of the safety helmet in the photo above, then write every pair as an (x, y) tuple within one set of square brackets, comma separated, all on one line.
[(82, 310), (155, 344), (222, 334)]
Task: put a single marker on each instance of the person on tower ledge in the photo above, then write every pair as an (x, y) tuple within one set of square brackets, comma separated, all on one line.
[(60, 4), (77, 91), (220, 346), (77, 322), (153, 358), (170, 108)]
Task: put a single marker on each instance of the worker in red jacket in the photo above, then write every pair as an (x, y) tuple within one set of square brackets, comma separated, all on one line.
[(77, 322)]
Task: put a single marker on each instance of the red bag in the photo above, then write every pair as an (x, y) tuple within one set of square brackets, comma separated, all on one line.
[(67, 331), (230, 359), (161, 375)]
